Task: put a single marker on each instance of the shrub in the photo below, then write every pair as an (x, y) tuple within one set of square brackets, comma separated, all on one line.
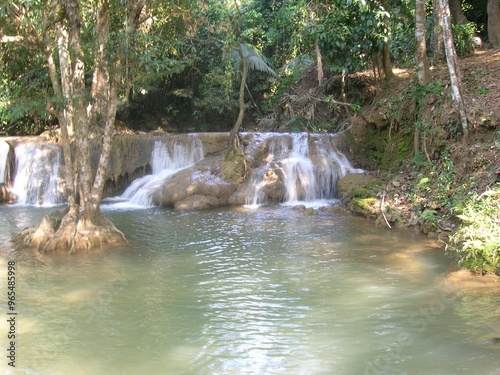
[(477, 241)]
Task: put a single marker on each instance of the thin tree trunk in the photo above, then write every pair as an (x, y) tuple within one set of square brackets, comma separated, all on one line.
[(233, 135), (319, 64), (386, 54), (452, 60), (423, 71), (100, 79), (386, 62)]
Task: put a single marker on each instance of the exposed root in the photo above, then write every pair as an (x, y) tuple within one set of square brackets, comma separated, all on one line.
[(63, 231)]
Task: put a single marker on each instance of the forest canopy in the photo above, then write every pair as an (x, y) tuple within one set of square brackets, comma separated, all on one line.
[(180, 68)]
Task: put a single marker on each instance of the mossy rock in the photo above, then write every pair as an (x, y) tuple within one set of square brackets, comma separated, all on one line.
[(235, 166), (368, 207), (362, 193)]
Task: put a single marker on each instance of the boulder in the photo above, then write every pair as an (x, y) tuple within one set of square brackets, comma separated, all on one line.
[(197, 187), (5, 194)]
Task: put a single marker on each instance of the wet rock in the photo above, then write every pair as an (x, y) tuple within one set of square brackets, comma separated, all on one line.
[(196, 187), (299, 207), (197, 202), (310, 211), (5, 195)]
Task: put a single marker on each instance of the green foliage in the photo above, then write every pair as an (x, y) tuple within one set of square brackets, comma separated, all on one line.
[(24, 90), (349, 33), (214, 95), (402, 26), (477, 241), (463, 38)]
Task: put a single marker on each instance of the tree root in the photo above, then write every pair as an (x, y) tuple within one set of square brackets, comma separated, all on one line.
[(63, 231)]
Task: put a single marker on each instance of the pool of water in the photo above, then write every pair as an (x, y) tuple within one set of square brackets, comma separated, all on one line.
[(244, 291)]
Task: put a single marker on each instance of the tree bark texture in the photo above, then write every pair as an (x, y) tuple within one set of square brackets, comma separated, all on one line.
[(494, 22), (457, 15), (437, 33)]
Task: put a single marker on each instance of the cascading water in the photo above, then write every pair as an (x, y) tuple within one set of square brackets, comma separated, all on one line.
[(166, 159), (4, 160), (310, 165), (37, 180)]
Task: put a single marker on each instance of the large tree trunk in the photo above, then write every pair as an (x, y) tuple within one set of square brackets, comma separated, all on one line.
[(494, 22), (452, 60), (457, 15), (81, 226)]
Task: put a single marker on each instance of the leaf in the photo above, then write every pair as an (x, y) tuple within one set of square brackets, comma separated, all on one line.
[(255, 60)]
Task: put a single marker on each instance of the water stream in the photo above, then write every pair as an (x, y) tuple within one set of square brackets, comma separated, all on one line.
[(4, 153), (245, 291), (38, 174), (167, 158)]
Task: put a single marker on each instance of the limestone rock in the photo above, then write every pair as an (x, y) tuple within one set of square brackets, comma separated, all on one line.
[(197, 187)]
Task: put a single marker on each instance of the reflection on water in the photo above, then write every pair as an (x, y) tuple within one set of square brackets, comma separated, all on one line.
[(264, 291)]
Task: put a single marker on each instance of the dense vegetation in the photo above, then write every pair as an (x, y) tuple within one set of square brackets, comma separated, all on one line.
[(181, 66), (309, 66)]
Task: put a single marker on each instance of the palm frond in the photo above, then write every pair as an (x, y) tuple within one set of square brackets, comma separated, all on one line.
[(256, 61)]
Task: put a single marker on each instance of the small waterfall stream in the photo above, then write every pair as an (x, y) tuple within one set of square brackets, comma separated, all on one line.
[(4, 155), (287, 168), (37, 180), (310, 165), (166, 159)]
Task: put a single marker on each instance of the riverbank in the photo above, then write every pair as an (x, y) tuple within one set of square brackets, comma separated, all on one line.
[(439, 183)]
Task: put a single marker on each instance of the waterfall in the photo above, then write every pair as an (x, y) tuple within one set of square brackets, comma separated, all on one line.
[(309, 165), (166, 159), (37, 180), (4, 161)]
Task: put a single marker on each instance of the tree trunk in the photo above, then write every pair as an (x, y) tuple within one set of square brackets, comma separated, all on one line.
[(81, 226), (233, 135), (494, 23), (423, 71), (386, 53), (319, 64), (386, 62), (100, 79), (457, 15), (452, 60), (437, 33)]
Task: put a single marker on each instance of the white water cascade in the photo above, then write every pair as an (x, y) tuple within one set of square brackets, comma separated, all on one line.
[(4, 155), (311, 166), (166, 159), (37, 180)]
